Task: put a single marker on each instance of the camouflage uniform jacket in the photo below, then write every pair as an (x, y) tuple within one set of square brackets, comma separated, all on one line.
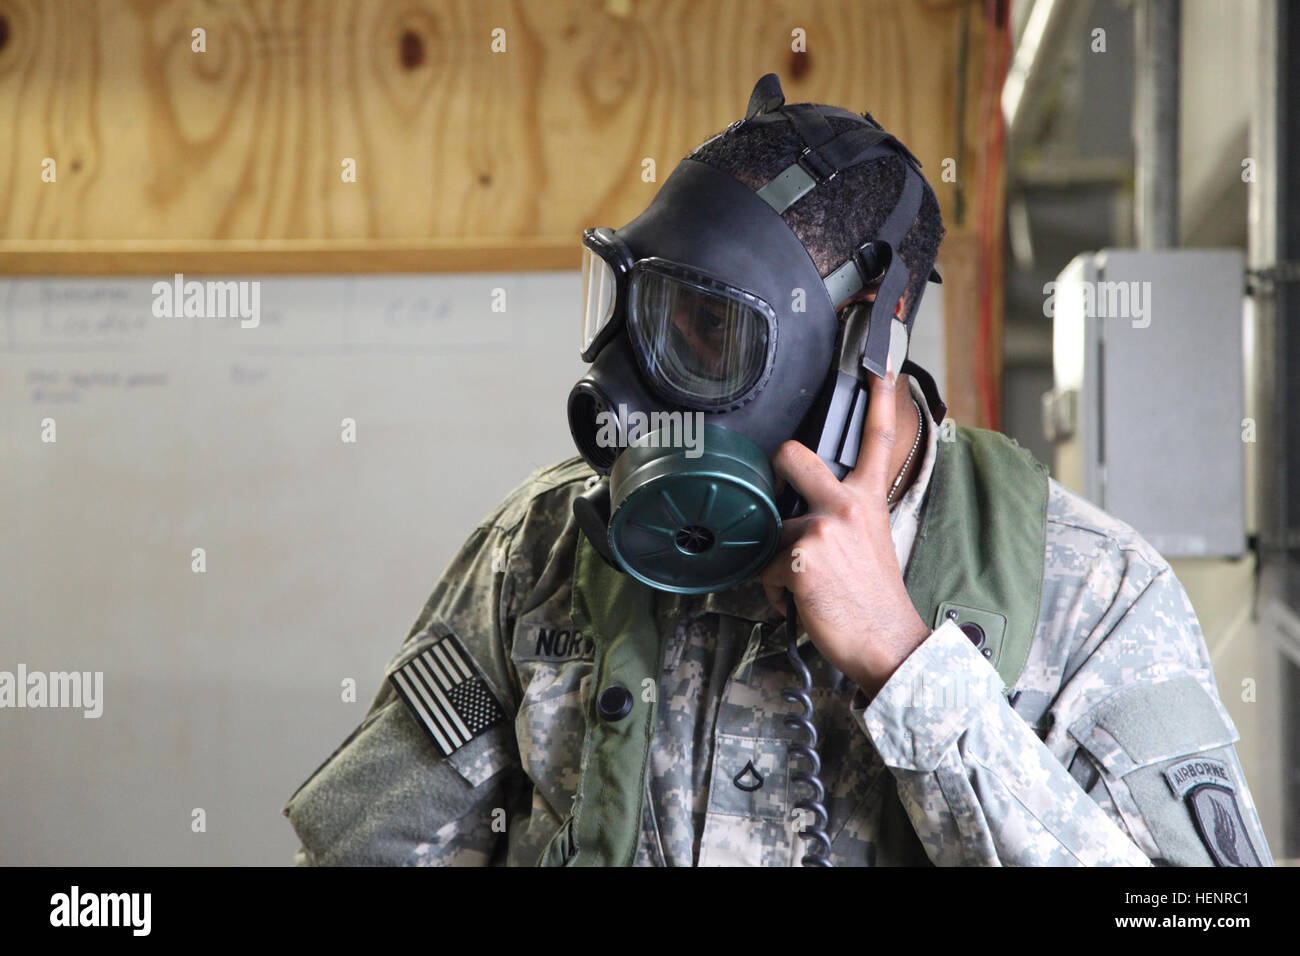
[(1112, 748)]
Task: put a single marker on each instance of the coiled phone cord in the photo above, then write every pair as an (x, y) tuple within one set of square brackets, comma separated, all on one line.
[(819, 844)]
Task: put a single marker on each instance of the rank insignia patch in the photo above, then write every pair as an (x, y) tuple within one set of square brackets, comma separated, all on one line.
[(447, 694), (1207, 787)]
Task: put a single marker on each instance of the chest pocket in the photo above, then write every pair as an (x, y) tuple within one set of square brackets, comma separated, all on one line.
[(749, 778), (748, 822)]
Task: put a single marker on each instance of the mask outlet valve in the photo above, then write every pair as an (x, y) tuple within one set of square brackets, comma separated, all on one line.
[(691, 521)]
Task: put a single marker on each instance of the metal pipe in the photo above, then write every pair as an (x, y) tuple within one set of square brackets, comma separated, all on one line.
[(1155, 122)]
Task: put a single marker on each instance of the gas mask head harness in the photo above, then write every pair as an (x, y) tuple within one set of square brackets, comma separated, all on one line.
[(713, 339)]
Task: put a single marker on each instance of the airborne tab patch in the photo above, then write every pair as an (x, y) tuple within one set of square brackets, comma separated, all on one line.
[(447, 694), (1186, 774)]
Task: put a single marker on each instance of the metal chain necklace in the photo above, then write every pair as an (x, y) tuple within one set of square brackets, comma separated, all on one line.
[(920, 427)]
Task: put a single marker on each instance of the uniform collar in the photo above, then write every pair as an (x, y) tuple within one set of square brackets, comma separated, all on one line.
[(746, 601)]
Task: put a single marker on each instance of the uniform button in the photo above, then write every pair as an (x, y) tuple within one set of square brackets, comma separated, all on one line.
[(615, 702), (974, 632)]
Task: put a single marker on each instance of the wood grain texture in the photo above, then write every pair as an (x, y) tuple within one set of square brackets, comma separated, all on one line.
[(452, 141), (961, 324)]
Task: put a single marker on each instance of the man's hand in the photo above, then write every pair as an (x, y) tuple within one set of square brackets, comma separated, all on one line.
[(838, 559)]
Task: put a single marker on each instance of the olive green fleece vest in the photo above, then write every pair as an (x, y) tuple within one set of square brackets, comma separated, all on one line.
[(978, 559)]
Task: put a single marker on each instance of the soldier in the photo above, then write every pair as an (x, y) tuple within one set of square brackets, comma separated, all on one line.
[(997, 671)]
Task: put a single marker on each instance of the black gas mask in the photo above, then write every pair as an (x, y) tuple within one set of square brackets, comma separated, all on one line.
[(713, 340)]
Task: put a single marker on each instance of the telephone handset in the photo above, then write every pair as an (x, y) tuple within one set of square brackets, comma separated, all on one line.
[(844, 398)]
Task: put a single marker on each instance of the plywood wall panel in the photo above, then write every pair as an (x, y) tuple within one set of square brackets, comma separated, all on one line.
[(456, 146)]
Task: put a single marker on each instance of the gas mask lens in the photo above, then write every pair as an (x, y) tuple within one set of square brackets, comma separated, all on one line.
[(606, 263), (706, 345), (598, 293)]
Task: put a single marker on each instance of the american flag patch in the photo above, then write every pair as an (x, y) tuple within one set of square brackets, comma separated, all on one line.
[(447, 694)]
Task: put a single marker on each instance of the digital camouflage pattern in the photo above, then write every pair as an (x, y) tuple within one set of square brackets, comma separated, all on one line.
[(945, 766)]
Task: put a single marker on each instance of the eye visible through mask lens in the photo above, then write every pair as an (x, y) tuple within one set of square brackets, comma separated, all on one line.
[(704, 344)]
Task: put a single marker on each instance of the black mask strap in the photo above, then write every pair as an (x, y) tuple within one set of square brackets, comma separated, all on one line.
[(894, 284), (938, 410), (810, 123)]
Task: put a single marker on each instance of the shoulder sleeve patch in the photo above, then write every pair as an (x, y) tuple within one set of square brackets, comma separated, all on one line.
[(1208, 787), (1165, 752), (1218, 820), (447, 694)]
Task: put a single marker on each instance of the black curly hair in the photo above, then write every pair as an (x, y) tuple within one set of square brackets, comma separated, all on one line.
[(834, 219)]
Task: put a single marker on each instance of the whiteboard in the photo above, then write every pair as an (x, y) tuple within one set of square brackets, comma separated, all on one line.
[(222, 689)]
